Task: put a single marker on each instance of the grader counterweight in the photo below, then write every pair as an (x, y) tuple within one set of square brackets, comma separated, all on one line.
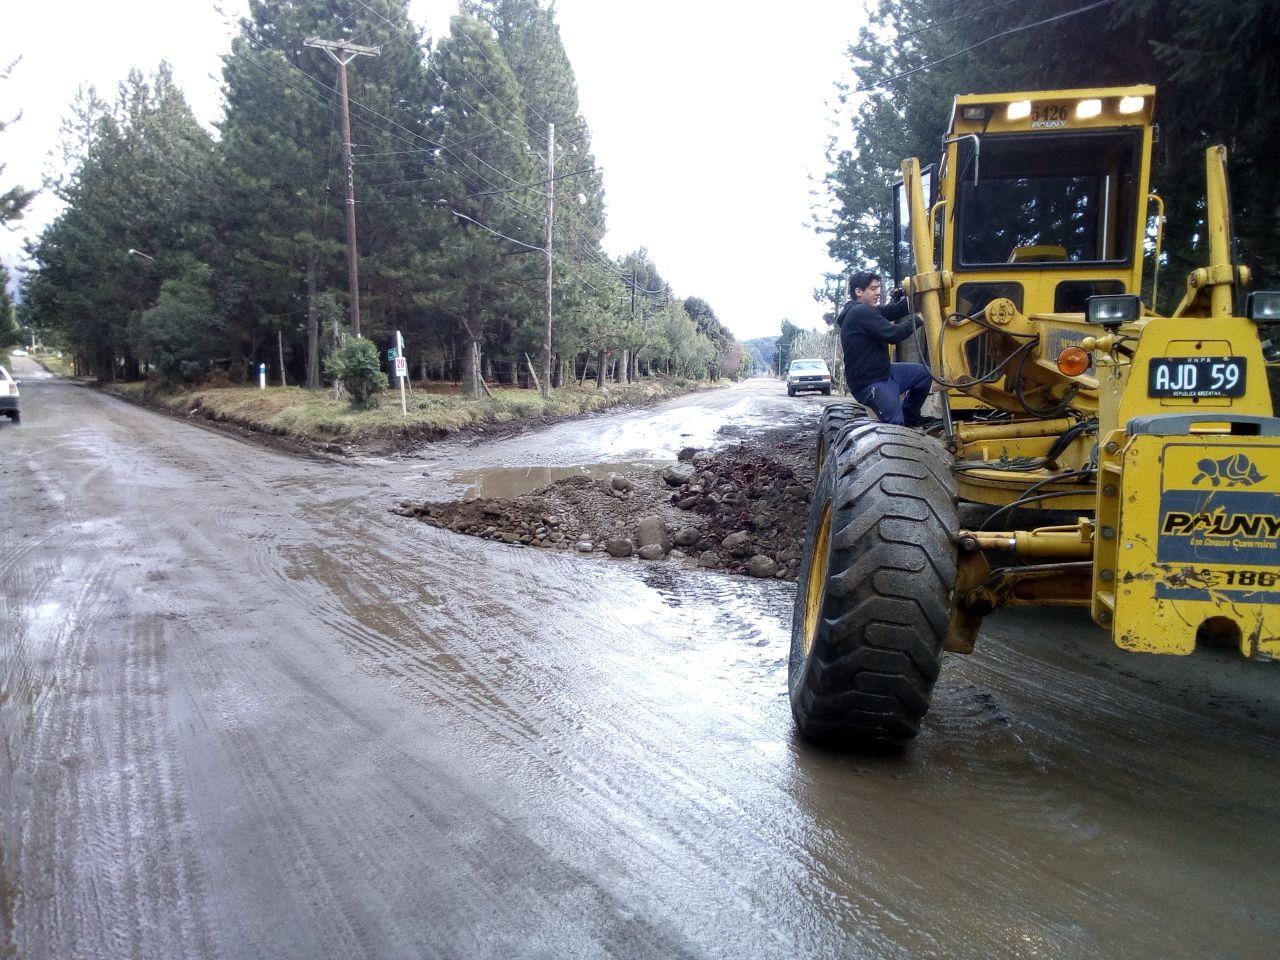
[(1151, 438)]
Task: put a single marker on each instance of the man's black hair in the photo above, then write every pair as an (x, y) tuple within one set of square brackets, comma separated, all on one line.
[(861, 280)]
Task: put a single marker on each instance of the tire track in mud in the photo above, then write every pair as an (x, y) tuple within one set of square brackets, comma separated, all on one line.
[(491, 703), (1054, 713), (100, 864), (274, 783), (291, 827), (356, 739)]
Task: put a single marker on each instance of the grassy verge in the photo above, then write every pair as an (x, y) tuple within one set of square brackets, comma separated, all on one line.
[(58, 365), (317, 419)]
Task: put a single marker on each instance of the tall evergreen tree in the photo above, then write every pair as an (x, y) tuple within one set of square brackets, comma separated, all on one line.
[(1214, 66), (484, 276), (10, 334), (282, 214), (530, 39), (135, 212), (16, 199)]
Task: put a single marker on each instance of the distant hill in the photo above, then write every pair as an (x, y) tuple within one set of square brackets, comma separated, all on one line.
[(765, 346)]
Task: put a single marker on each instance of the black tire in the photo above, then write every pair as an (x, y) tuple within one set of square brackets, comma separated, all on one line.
[(867, 634), (790, 392), (15, 416), (826, 391), (835, 417)]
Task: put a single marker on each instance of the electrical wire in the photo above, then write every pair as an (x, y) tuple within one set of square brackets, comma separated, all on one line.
[(980, 43), (1060, 444), (495, 232), (1044, 414), (435, 146), (962, 16), (1026, 499), (991, 375)]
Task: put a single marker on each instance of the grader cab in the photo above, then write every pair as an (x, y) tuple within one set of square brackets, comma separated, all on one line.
[(1148, 440)]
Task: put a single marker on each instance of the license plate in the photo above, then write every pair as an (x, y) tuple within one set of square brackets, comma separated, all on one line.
[(1196, 377)]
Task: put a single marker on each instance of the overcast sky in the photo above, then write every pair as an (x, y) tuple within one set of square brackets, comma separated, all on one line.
[(709, 118)]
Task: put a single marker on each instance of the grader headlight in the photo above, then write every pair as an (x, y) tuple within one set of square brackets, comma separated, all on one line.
[(1113, 310), (1263, 306)]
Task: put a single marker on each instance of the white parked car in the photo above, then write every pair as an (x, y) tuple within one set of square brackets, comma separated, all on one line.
[(9, 396), (808, 375)]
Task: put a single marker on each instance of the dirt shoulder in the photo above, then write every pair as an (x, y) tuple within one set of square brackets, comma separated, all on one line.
[(741, 509), (300, 420)]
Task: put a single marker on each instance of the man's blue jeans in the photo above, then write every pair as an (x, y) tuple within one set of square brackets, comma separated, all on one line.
[(886, 398)]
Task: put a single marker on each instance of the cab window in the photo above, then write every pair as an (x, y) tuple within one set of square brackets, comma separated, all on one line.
[(1047, 198)]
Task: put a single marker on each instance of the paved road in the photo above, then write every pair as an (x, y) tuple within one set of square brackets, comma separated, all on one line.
[(246, 712)]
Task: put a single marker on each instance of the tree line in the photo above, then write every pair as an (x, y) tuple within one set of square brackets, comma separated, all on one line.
[(1213, 63), (182, 253)]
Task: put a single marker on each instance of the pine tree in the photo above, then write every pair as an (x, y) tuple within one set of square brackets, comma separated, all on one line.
[(16, 199), (10, 333), (135, 214), (282, 213), (530, 39), (1213, 65), (484, 277)]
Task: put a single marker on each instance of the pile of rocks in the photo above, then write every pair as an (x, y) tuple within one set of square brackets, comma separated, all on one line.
[(741, 511), (529, 524), (751, 507)]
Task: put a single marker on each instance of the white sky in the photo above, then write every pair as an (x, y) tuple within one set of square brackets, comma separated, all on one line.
[(708, 117)]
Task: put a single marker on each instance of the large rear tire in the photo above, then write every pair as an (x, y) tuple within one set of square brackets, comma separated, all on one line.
[(874, 592), (835, 417)]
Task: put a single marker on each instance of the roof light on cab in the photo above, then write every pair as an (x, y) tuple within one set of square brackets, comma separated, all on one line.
[(1088, 108), (1132, 104), (1019, 110)]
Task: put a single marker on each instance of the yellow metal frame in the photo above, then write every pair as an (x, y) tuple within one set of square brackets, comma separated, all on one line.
[(1106, 562)]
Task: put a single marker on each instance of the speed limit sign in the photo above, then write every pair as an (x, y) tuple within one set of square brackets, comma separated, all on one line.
[(402, 367)]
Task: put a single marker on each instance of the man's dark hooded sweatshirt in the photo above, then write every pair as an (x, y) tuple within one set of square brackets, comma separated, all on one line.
[(865, 335)]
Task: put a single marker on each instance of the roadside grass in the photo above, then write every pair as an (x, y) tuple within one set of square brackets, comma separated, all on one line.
[(58, 365), (318, 418)]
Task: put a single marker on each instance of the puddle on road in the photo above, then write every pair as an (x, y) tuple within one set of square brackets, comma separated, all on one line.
[(508, 482)]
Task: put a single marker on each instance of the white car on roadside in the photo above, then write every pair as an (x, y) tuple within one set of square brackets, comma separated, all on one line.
[(9, 397), (808, 375)]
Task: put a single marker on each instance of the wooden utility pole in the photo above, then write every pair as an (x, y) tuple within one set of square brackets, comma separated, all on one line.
[(342, 53), (551, 216), (627, 357)]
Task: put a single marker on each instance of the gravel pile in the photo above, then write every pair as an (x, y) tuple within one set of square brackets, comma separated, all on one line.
[(741, 510)]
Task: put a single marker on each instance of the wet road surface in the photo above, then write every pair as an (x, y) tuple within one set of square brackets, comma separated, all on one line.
[(245, 712)]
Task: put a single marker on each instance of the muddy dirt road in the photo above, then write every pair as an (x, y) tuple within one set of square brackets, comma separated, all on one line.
[(245, 714)]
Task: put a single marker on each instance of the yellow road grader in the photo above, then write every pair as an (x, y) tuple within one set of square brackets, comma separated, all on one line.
[(1149, 441)]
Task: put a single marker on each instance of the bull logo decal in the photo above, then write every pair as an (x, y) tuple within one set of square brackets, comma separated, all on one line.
[(1237, 470)]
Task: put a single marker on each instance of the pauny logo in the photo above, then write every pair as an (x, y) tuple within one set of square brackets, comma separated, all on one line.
[(1221, 525), (1237, 470)]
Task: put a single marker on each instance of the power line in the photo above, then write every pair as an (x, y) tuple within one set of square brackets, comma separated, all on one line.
[(496, 233), (480, 49), (377, 129), (974, 46), (962, 16), (520, 208)]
